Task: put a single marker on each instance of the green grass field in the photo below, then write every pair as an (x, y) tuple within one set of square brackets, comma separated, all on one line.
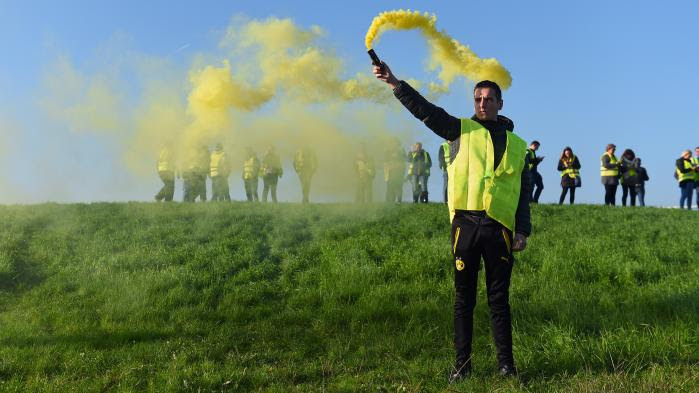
[(234, 297)]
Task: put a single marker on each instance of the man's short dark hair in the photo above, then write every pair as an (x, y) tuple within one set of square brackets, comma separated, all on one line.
[(535, 143), (492, 85)]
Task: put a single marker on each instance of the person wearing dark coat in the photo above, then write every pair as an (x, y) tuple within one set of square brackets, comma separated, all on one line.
[(569, 166)]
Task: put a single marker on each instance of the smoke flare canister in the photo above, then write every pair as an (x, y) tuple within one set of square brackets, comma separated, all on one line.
[(375, 59)]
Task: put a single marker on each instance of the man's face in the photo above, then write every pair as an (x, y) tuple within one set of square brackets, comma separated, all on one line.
[(486, 103), (612, 150), (687, 155), (696, 151), (534, 147)]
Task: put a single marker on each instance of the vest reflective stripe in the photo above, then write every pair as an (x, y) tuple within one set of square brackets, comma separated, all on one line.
[(609, 172), (532, 158), (250, 168), (473, 182), (446, 151), (411, 168), (217, 162), (685, 176), (165, 161), (570, 171)]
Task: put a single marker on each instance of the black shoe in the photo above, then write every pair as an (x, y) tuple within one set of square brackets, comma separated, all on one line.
[(459, 372), (507, 370)]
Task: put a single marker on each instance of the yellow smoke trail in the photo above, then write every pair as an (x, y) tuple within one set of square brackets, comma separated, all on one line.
[(453, 58)]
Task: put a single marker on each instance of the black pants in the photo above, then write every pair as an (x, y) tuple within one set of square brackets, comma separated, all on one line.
[(269, 186), (219, 189), (168, 189), (610, 194), (475, 235), (626, 190), (251, 189), (305, 185), (536, 182), (563, 195)]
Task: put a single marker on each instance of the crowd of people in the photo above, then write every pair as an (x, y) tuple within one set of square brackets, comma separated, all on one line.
[(201, 164)]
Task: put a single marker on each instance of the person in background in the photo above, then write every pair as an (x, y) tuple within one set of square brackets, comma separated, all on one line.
[(537, 182), (685, 176), (219, 168), (610, 174), (271, 172), (305, 165), (251, 173), (569, 166), (201, 172), (364, 168), (444, 155), (641, 185), (695, 162), (629, 176), (166, 170), (419, 172), (394, 172)]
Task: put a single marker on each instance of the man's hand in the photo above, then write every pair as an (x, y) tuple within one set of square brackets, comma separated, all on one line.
[(384, 73), (520, 242)]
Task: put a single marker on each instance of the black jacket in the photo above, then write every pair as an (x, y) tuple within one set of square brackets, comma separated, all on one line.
[(566, 181), (449, 128)]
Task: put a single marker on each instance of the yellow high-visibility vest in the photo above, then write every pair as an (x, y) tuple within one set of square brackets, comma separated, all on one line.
[(251, 168), (217, 163), (474, 184), (570, 171), (609, 172), (446, 150), (413, 157), (695, 162), (532, 158), (165, 161), (685, 176)]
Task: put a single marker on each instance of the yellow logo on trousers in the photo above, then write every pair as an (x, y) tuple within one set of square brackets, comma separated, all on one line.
[(459, 264)]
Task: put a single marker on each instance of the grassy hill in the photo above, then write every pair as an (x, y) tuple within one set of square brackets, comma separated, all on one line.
[(234, 297)]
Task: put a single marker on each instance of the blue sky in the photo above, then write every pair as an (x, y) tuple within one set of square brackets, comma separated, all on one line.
[(584, 74)]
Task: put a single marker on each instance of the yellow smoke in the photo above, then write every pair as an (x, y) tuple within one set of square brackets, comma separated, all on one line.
[(451, 57)]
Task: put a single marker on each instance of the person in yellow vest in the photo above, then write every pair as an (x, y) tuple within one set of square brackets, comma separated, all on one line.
[(271, 170), (251, 173), (305, 165), (364, 168), (419, 172), (444, 155), (220, 170), (695, 163), (686, 173), (166, 170), (610, 174), (394, 172), (536, 182), (201, 173), (629, 176), (569, 166), (488, 196), (194, 180)]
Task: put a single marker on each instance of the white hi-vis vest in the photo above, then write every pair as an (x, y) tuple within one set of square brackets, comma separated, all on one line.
[(473, 182)]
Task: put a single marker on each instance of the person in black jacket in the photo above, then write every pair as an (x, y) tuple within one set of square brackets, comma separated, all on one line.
[(641, 185), (474, 233), (628, 169), (570, 174)]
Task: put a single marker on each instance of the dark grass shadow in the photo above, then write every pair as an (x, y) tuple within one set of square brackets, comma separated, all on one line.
[(95, 340)]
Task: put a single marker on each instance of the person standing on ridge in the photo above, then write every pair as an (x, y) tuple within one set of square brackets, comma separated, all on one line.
[(444, 155), (695, 163), (271, 170), (394, 172), (569, 166), (201, 172), (220, 170), (537, 182), (488, 206), (610, 174), (419, 172), (685, 173), (251, 173), (192, 174), (641, 185), (166, 171), (628, 167), (305, 165), (364, 168)]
